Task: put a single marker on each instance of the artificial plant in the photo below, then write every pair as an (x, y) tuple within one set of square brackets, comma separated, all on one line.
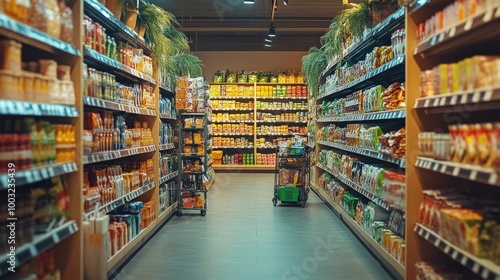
[(313, 64), (187, 64), (349, 24)]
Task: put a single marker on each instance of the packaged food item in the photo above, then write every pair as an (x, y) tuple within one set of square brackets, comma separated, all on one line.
[(53, 18), (37, 15)]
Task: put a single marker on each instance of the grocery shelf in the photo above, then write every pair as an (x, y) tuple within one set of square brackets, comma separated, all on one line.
[(166, 90), (40, 243), (114, 261), (192, 129), (105, 156), (122, 200), (231, 134), (484, 268), (471, 172), (245, 121), (105, 104), (389, 261), (193, 114), (374, 116), (365, 152), (267, 147), (166, 214), (479, 96), (21, 108), (479, 28), (192, 191), (37, 174), (279, 134), (310, 145), (164, 116), (231, 97), (30, 36), (114, 27), (371, 38), (232, 147), (101, 61), (281, 110), (372, 197), (280, 98), (166, 178), (192, 156), (276, 121), (235, 167), (390, 71), (232, 109), (164, 147)]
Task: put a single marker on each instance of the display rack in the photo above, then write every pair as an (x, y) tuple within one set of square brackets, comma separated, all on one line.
[(190, 181), (37, 45), (389, 120), (435, 111), (253, 137)]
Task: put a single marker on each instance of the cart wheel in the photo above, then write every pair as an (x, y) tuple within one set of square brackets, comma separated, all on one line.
[(179, 213), (275, 201), (203, 212), (303, 203)]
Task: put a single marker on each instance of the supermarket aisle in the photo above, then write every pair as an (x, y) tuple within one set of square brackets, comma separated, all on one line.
[(244, 237)]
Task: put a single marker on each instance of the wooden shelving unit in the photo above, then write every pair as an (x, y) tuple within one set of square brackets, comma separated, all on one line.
[(472, 36), (253, 96)]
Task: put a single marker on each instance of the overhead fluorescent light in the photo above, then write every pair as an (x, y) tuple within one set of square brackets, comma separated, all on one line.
[(268, 40), (249, 2), (267, 45), (285, 2)]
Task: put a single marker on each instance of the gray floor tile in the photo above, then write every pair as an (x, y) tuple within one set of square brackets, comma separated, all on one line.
[(244, 237)]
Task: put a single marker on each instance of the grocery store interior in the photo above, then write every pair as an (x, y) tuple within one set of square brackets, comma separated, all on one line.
[(249, 139)]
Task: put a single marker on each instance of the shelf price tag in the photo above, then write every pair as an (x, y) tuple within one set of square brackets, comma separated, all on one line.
[(488, 95), (463, 99), (488, 15), (453, 31), (453, 100), (468, 25), (476, 97), (442, 101)]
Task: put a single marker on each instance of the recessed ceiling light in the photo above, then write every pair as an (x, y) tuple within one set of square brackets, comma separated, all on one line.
[(249, 2)]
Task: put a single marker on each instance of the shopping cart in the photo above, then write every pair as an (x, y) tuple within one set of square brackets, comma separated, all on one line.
[(291, 180)]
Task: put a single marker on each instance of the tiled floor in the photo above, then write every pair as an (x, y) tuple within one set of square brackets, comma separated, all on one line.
[(244, 237)]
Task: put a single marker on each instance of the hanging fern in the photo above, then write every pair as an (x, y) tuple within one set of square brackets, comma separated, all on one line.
[(178, 39), (187, 64), (313, 64)]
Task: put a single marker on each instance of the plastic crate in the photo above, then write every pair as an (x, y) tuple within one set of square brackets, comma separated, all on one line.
[(289, 194)]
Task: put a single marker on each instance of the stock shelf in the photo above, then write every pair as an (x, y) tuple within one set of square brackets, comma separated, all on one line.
[(371, 38), (166, 90), (484, 268), (241, 167), (40, 243), (470, 172), (166, 178), (164, 116), (103, 62), (105, 156), (30, 36), (37, 174), (372, 197), (279, 121), (475, 97), (478, 29), (114, 27), (164, 147), (109, 105), (281, 110), (230, 97), (389, 261), (281, 98), (245, 121), (232, 134), (232, 147), (122, 200), (365, 152), (232, 109), (21, 108), (383, 115), (392, 71)]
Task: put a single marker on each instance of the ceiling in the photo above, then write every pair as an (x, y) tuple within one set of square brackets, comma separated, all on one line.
[(230, 25)]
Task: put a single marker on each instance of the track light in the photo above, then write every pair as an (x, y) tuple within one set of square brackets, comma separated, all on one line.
[(249, 2), (285, 2), (272, 31)]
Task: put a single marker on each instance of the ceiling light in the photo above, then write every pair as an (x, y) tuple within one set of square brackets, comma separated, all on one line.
[(272, 31), (285, 2), (249, 2), (267, 45), (268, 40)]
